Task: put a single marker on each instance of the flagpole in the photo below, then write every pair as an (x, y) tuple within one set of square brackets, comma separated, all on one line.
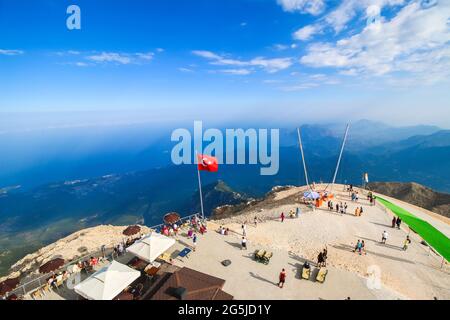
[(200, 187)]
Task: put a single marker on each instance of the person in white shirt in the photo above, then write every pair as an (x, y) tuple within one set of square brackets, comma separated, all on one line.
[(384, 237), (244, 230), (244, 243)]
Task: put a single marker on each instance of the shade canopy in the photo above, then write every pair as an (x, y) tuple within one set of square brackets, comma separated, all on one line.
[(171, 218), (8, 285), (132, 230), (311, 195), (151, 247), (51, 265), (107, 283)]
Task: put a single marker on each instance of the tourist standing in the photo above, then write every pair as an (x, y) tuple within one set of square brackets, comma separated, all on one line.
[(282, 278), (394, 222), (399, 223), (244, 244), (406, 243), (256, 221), (282, 217), (194, 241), (384, 237)]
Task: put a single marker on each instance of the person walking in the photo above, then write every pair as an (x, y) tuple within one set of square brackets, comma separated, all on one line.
[(384, 237), (244, 230), (244, 244), (320, 259), (358, 245), (394, 222), (345, 208), (194, 242), (282, 278), (282, 217), (399, 223), (406, 243), (255, 220), (325, 256)]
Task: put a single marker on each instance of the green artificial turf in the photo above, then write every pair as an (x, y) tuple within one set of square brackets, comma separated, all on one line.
[(436, 239)]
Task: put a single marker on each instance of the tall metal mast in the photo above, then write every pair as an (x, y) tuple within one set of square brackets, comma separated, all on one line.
[(340, 157), (303, 158)]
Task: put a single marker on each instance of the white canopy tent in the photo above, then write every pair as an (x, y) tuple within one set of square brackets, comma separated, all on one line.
[(151, 247), (107, 283)]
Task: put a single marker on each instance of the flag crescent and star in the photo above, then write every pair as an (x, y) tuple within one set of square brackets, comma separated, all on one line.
[(207, 163)]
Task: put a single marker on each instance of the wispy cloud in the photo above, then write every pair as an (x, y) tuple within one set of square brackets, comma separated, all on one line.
[(120, 58), (110, 57), (9, 52), (239, 72), (183, 69), (269, 65), (314, 7)]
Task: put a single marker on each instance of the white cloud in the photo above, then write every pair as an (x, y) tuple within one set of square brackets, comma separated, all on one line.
[(280, 47), (110, 57), (9, 52), (120, 58), (310, 81), (239, 72), (81, 64), (414, 41), (338, 18), (269, 65), (306, 32), (182, 69), (314, 7), (145, 56)]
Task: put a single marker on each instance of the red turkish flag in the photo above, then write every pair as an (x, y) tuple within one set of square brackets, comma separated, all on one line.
[(207, 163)]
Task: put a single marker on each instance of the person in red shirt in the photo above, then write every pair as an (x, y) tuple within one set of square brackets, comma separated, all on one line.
[(282, 278), (282, 217)]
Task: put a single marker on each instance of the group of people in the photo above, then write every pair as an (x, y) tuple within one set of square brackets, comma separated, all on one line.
[(340, 208), (396, 222), (119, 250), (360, 247), (224, 231), (359, 211), (322, 258), (56, 280)]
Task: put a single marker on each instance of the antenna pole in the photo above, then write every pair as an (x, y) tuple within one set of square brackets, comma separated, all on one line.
[(340, 156), (303, 157)]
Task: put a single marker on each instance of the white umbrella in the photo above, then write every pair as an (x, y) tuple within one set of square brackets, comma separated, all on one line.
[(107, 283), (151, 247)]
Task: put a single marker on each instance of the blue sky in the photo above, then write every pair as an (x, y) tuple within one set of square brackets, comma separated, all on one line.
[(159, 60)]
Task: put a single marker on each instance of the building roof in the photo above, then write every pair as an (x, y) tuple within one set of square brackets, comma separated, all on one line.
[(199, 286)]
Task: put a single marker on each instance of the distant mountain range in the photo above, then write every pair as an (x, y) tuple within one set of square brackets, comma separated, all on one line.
[(415, 194), (32, 217)]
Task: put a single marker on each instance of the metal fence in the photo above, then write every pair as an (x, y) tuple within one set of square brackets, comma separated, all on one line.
[(108, 252)]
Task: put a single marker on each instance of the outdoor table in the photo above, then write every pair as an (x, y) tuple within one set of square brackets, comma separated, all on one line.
[(152, 271)]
